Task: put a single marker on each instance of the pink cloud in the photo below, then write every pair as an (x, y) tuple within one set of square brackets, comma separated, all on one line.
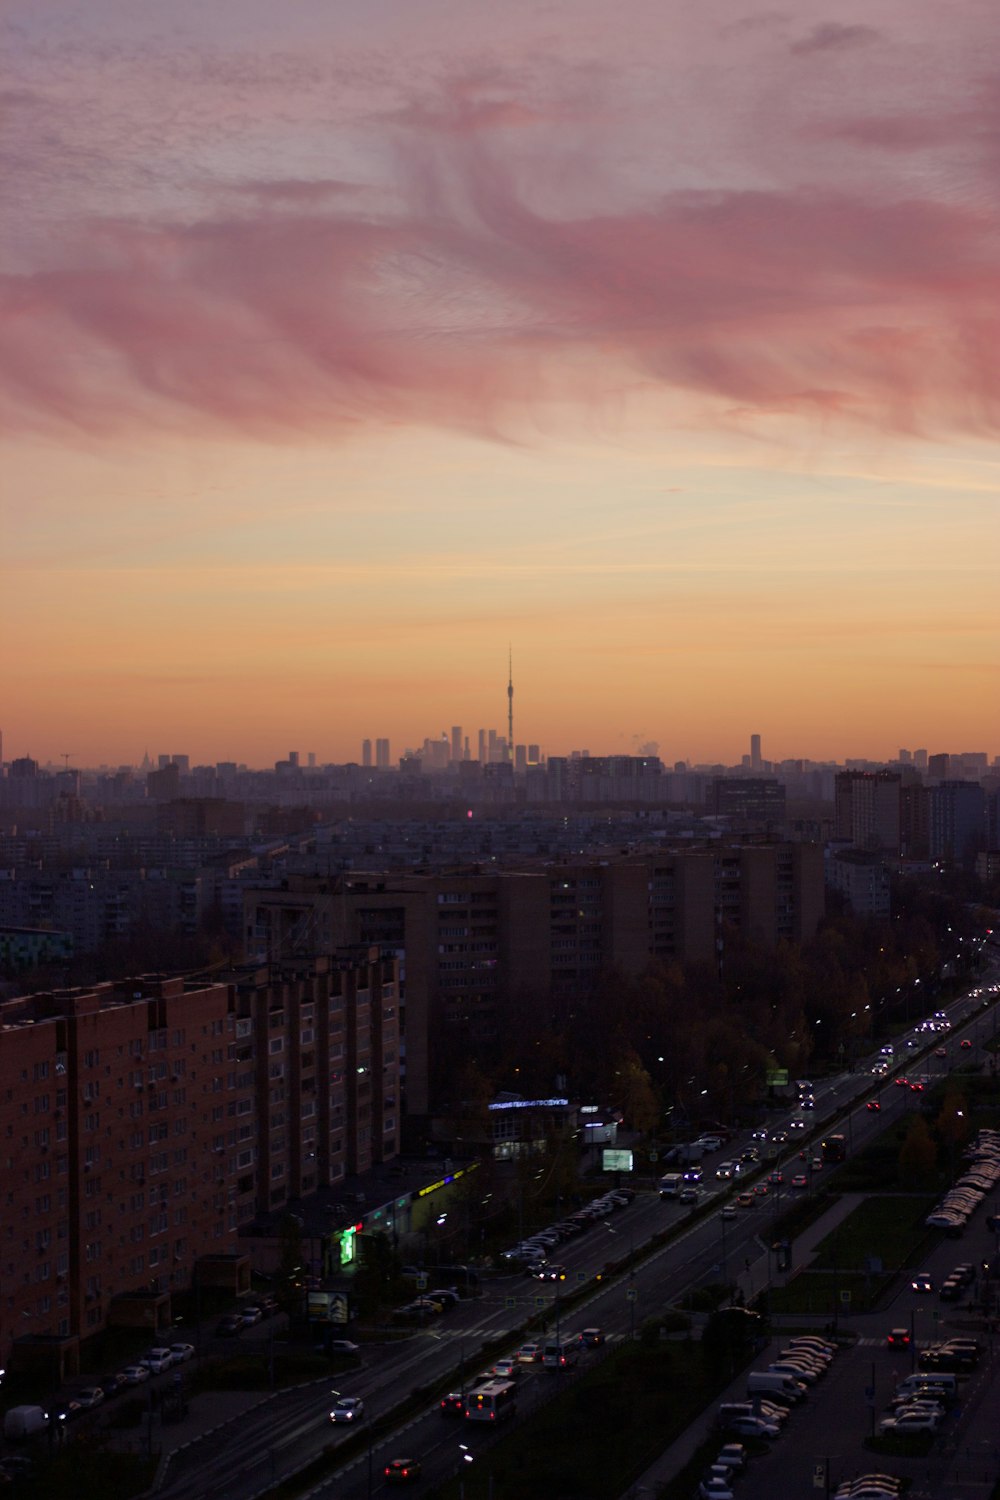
[(493, 234), (833, 36), (312, 321)]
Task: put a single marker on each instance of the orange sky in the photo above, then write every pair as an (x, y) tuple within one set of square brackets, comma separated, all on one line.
[(338, 354)]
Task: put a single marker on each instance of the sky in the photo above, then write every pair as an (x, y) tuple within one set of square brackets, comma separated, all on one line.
[(346, 347)]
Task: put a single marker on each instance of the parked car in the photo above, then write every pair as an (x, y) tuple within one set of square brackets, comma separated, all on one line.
[(344, 1346), (182, 1353), (133, 1375), (229, 1326)]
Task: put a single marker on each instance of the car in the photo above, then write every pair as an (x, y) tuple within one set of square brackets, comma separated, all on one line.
[(874, 1105), (724, 1170), (133, 1375), (901, 1082), (816, 1163), (780, 1138), (452, 1404), (940, 1051), (753, 1427), (229, 1326), (89, 1397), (922, 1282), (712, 1488), (745, 1200), (251, 1315), (346, 1409), (775, 1178), (965, 1043), (507, 1368), (551, 1272), (760, 1189), (529, 1354), (916, 1087), (344, 1346), (800, 1180), (111, 1385), (898, 1338), (909, 1420), (729, 1212), (591, 1338), (402, 1471), (750, 1156), (693, 1174), (157, 1360), (688, 1194), (732, 1456), (807, 1102), (798, 1125)]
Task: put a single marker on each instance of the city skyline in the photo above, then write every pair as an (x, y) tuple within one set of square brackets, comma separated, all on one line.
[(345, 349)]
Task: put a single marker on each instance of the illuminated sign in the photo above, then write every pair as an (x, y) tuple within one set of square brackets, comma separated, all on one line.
[(443, 1182), (616, 1161), (530, 1104)]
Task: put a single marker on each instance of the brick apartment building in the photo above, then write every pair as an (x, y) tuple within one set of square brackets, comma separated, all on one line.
[(142, 1123), (470, 941)]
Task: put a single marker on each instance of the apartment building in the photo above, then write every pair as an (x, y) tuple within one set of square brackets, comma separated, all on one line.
[(142, 1123), (471, 942)]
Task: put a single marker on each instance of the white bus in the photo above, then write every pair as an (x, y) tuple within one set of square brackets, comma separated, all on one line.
[(491, 1402)]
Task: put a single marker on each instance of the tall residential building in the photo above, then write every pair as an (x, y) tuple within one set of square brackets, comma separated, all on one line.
[(867, 809), (146, 1121), (382, 761), (472, 942), (755, 761), (366, 753), (456, 743), (957, 828)]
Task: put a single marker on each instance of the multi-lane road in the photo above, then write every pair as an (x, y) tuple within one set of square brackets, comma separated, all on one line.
[(282, 1435)]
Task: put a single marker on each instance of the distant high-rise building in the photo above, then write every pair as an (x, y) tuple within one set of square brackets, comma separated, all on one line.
[(939, 766), (920, 759), (755, 761), (293, 758), (366, 752), (520, 759), (382, 755), (482, 747), (456, 743), (905, 757), (533, 755), (491, 753), (182, 762), (957, 821), (867, 809), (311, 760)]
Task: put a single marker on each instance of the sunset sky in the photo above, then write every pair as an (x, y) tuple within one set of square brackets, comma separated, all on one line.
[(347, 342)]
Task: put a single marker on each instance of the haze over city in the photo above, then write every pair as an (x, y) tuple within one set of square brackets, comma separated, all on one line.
[(345, 346)]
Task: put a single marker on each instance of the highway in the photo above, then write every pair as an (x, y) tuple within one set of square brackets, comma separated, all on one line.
[(247, 1457)]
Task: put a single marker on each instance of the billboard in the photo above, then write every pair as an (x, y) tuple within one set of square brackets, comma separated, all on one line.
[(326, 1307), (616, 1160)]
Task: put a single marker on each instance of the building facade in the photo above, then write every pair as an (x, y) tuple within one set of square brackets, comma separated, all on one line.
[(143, 1123)]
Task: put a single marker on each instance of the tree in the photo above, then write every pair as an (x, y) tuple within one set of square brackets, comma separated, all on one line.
[(918, 1153)]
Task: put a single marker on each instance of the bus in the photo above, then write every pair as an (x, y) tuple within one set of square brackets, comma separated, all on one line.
[(493, 1402), (834, 1148)]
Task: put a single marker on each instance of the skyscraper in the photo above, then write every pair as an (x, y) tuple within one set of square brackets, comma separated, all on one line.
[(366, 752), (755, 762)]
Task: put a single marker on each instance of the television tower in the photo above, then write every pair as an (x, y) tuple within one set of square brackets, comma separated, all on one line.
[(510, 704)]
